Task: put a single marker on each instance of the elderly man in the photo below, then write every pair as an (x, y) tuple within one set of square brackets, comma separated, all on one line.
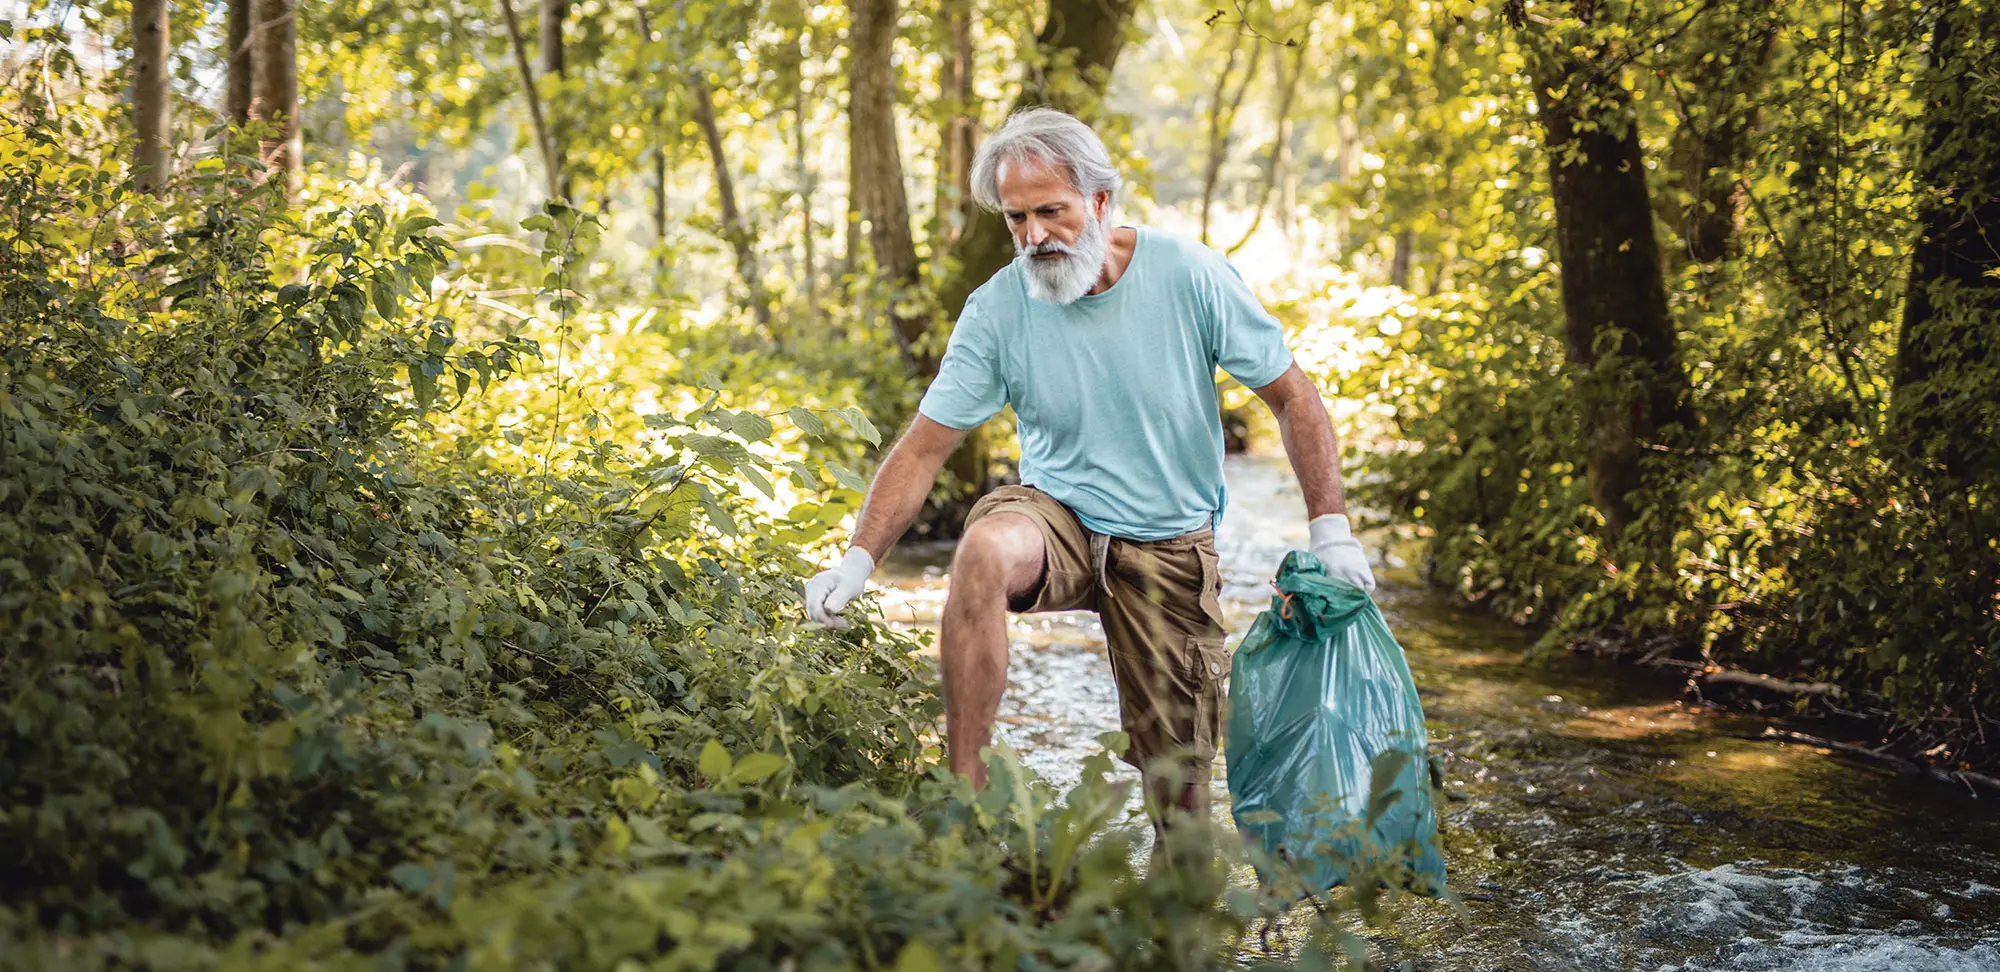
[(1105, 340)]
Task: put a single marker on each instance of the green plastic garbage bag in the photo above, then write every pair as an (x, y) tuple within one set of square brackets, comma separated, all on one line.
[(1320, 697)]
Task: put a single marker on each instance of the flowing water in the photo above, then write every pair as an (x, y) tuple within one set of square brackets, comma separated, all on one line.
[(1596, 822)]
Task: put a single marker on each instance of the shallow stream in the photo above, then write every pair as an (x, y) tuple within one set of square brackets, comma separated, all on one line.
[(1604, 823)]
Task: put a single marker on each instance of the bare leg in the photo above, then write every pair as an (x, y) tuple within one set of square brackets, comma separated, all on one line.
[(1000, 556)]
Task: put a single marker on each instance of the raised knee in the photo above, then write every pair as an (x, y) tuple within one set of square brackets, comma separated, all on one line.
[(993, 551)]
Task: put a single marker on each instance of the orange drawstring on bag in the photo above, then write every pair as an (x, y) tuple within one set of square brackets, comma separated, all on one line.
[(1284, 609)]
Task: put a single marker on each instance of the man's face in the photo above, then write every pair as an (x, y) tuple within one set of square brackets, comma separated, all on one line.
[(1058, 232), (1041, 206)]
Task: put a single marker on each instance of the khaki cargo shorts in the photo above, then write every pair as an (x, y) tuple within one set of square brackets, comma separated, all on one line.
[(1159, 604)]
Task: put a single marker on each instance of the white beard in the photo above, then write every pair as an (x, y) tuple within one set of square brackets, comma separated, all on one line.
[(1063, 281)]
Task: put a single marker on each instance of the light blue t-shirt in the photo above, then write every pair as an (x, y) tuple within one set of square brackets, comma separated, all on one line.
[(1115, 392)]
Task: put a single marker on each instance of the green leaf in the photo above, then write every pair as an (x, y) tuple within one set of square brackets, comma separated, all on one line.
[(751, 427), (846, 477), (415, 225), (385, 296), (858, 419), (716, 514), (918, 957), (807, 422), (757, 479), (714, 762), (756, 766), (538, 223), (423, 384), (730, 454)]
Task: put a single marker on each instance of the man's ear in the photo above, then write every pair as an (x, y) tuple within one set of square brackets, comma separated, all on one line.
[(1100, 203)]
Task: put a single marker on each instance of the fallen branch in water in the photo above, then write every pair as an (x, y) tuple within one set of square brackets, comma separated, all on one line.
[(1970, 780), (1773, 684)]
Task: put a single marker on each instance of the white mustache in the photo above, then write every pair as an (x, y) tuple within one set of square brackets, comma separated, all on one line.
[(1043, 249)]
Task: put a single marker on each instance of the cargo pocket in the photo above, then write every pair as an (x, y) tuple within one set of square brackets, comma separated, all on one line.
[(1210, 661), (1211, 585)]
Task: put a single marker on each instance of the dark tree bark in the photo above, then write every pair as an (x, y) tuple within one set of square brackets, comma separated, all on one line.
[(551, 162), (1945, 407), (1399, 262), (150, 93), (734, 229), (959, 136), (1708, 145), (242, 20), (274, 92), (553, 13), (878, 169), (659, 153), (1619, 339), (808, 185), (1079, 45)]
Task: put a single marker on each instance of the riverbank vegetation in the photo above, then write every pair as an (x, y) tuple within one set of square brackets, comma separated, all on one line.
[(416, 420)]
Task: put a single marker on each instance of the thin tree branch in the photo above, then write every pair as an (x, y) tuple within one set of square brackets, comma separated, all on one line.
[(534, 100)]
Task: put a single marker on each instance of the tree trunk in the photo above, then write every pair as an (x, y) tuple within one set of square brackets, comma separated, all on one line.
[(807, 187), (150, 93), (878, 167), (1619, 339), (551, 37), (1719, 112), (1085, 35), (1399, 262), (734, 229), (1222, 110), (1947, 369), (274, 93), (657, 131), (242, 20), (1280, 163), (550, 167), (959, 136)]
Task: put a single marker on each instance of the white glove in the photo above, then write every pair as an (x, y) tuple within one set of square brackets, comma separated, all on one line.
[(1335, 546), (830, 591)]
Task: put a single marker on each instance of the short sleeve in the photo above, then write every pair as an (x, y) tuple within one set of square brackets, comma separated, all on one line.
[(1248, 342), (968, 388)]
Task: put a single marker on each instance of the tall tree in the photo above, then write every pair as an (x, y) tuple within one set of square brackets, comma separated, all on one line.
[(735, 229), (242, 20), (808, 184), (878, 170), (958, 137), (274, 92), (1946, 401), (1278, 167), (150, 92), (1222, 109), (657, 132), (1719, 108), (553, 12), (544, 139), (1619, 340)]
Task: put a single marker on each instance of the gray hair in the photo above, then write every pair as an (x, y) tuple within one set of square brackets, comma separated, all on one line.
[(1055, 138)]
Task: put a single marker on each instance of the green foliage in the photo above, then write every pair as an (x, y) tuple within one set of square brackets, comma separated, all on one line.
[(1807, 544)]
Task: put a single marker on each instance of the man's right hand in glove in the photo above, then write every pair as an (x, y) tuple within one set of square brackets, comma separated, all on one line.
[(831, 590)]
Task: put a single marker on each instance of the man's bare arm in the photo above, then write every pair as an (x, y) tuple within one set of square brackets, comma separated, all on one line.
[(1309, 439), (902, 483)]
